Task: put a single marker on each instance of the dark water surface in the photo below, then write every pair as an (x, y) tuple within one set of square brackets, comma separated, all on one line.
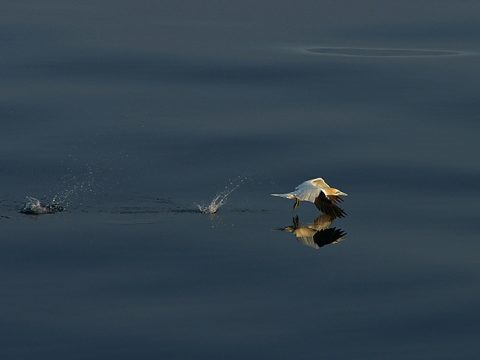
[(131, 113)]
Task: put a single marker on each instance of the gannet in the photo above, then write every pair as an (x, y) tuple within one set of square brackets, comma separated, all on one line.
[(317, 191), (317, 234)]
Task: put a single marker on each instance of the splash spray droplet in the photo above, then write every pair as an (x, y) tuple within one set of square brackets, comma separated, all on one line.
[(220, 199)]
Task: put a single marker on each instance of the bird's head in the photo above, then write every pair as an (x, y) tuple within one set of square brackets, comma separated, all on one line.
[(336, 192)]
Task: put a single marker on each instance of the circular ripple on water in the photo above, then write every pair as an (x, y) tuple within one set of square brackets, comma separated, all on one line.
[(380, 52)]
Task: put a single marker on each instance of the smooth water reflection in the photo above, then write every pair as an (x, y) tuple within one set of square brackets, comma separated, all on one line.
[(316, 234)]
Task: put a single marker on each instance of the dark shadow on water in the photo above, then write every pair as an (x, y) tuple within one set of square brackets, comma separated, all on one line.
[(236, 210), (185, 211), (381, 52), (139, 211), (249, 211)]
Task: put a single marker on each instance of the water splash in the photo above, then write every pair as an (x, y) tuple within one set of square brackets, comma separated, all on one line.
[(33, 206), (220, 199), (65, 196), (71, 192)]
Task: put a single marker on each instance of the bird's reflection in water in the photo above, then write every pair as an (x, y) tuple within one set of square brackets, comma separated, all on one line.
[(318, 234)]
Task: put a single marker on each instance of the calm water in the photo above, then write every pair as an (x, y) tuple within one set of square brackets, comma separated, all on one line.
[(132, 113)]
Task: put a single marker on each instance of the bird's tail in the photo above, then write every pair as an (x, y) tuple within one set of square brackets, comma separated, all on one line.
[(286, 196)]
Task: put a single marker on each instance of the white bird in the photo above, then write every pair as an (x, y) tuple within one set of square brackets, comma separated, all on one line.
[(317, 191)]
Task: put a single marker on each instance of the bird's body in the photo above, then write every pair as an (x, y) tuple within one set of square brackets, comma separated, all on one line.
[(317, 191)]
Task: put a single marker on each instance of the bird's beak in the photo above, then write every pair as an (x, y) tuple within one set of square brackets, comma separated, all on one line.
[(342, 193), (286, 228)]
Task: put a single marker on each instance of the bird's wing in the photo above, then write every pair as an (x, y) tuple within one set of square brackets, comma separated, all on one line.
[(327, 206), (328, 236), (335, 199), (307, 241), (319, 182), (307, 191), (322, 222)]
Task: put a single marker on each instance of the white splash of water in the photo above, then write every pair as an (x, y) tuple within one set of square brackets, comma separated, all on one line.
[(220, 199), (33, 206), (73, 189)]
